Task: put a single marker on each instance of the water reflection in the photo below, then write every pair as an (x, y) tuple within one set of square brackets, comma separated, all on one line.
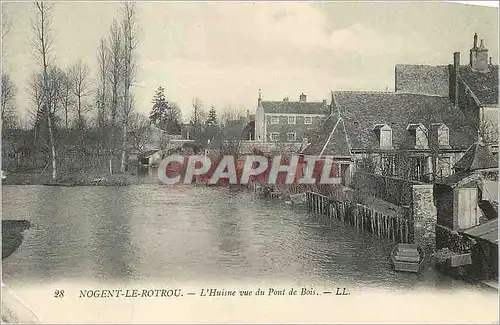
[(111, 249), (154, 232)]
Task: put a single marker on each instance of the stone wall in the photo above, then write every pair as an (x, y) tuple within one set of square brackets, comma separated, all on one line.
[(391, 189), (424, 215), (417, 196), (484, 255)]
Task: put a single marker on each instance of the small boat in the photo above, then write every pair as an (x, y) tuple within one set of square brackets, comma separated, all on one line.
[(298, 198), (407, 258)]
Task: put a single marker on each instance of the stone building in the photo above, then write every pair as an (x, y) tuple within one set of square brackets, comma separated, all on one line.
[(287, 121), (413, 136), (472, 87), (329, 142), (467, 213)]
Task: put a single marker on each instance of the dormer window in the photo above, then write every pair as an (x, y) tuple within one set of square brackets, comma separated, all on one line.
[(440, 135), (419, 135), (384, 135)]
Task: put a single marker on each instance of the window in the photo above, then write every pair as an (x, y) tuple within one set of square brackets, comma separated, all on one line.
[(291, 136), (308, 120), (345, 174), (384, 135), (419, 134), (274, 136), (275, 119), (443, 167), (291, 120), (443, 136), (439, 136)]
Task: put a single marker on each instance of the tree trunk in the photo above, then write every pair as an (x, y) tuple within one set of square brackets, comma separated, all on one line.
[(124, 148), (52, 147)]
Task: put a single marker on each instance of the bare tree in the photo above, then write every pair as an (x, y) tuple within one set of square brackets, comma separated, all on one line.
[(114, 74), (35, 89), (139, 127), (66, 97), (115, 67), (6, 24), (102, 91), (42, 44), (129, 70), (80, 85), (230, 114), (197, 119), (488, 131), (8, 102)]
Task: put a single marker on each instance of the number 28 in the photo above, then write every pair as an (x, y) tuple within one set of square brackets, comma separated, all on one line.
[(58, 293)]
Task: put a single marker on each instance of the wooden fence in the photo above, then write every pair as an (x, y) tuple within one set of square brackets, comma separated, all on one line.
[(394, 227)]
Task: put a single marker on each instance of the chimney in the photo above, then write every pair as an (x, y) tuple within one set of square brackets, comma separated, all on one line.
[(454, 76), (491, 62), (479, 56), (259, 101), (324, 102), (285, 99), (248, 115), (302, 98)]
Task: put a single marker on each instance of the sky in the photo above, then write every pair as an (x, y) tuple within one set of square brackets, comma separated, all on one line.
[(224, 52)]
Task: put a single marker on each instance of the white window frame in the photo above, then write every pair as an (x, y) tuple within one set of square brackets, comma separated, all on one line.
[(275, 119), (443, 135), (294, 136), (308, 120), (292, 118), (274, 134), (384, 133)]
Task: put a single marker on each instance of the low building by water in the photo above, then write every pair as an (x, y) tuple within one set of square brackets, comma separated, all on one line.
[(467, 213)]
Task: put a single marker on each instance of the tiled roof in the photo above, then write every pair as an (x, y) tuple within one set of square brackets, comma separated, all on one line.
[(460, 178), (282, 107), (422, 79), (434, 80), (361, 111), (331, 137), (483, 84), (148, 153), (478, 156), (487, 231)]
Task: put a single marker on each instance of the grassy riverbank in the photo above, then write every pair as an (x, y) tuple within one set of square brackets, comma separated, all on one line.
[(37, 177)]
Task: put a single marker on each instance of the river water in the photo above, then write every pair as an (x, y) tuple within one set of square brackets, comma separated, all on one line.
[(156, 233), (152, 232)]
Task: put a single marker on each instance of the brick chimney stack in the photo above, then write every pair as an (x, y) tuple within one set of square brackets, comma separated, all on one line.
[(454, 72), (302, 98), (479, 56)]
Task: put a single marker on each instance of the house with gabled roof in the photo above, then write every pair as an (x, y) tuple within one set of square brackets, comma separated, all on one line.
[(286, 120), (472, 87), (329, 141), (467, 210), (425, 134)]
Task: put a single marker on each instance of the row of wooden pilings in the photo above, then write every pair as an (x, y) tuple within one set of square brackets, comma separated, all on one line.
[(397, 228)]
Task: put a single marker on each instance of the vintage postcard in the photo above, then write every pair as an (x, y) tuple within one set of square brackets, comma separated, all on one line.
[(249, 162)]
